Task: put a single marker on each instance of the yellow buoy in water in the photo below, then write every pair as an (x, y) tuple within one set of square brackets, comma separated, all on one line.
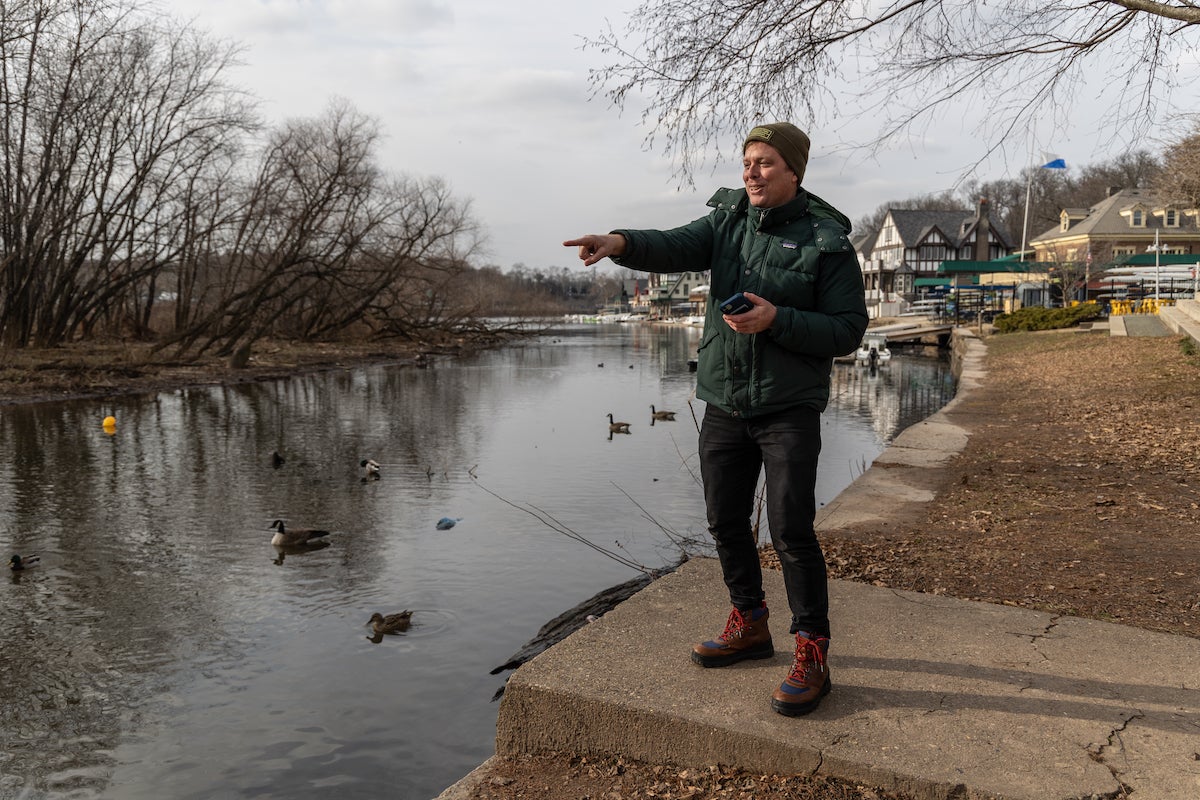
[(110, 422)]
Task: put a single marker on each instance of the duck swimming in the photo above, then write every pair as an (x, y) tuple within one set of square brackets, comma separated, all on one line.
[(23, 562), (666, 416), (296, 536), (617, 427), (392, 623), (370, 469)]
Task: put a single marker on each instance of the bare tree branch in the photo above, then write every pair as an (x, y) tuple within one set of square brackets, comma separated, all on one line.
[(701, 69)]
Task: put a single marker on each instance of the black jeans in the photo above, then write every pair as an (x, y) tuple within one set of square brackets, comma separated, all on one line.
[(732, 453)]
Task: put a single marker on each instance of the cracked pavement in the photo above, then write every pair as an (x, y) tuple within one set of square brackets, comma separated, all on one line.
[(932, 696)]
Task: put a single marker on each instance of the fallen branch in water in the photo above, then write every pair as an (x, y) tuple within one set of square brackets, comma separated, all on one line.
[(575, 618), (549, 521)]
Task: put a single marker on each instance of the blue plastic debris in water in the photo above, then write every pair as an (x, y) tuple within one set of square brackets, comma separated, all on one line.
[(445, 523)]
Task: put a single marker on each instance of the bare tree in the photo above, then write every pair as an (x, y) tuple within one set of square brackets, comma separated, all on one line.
[(434, 237), (320, 241), (706, 67), (301, 218), (105, 112), (1179, 181)]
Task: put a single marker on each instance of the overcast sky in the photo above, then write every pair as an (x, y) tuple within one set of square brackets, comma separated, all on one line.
[(494, 98)]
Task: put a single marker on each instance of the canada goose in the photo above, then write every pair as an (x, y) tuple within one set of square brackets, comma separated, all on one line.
[(617, 427), (23, 562), (294, 537), (392, 623), (663, 415), (370, 469)]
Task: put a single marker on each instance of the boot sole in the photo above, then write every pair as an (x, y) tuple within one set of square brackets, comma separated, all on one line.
[(800, 709), (763, 651)]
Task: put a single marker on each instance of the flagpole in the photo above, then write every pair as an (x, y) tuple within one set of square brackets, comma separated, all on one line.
[(1028, 194), (1157, 250), (1025, 223)]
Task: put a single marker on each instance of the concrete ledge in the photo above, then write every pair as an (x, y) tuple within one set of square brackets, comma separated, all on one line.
[(933, 697), (899, 480), (1183, 318)]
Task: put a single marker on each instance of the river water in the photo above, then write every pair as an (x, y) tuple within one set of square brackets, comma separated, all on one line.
[(163, 647)]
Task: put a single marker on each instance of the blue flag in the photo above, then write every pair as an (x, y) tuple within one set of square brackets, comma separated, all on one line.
[(1057, 163)]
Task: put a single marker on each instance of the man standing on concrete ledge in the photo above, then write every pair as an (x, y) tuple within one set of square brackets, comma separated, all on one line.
[(764, 376)]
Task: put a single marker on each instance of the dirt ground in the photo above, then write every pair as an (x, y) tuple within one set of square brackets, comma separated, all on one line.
[(1076, 494)]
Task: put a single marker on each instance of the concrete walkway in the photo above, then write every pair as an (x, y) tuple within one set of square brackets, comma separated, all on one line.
[(933, 697), (1144, 325)]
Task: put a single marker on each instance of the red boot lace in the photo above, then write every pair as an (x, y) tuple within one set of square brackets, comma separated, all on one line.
[(808, 654), (735, 625)]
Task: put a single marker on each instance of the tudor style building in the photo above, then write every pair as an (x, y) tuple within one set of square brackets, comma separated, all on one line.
[(902, 259)]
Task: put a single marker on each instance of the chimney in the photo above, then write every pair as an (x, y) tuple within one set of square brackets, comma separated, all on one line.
[(1111, 190), (982, 231)]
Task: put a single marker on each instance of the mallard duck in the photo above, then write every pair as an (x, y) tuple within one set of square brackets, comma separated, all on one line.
[(370, 469), (446, 523), (276, 459), (663, 415), (23, 562), (295, 537), (617, 427), (392, 623)]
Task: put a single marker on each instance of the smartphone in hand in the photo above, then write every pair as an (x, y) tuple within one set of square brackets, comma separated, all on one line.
[(738, 304)]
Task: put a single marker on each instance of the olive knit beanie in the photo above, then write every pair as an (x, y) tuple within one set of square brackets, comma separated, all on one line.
[(791, 142)]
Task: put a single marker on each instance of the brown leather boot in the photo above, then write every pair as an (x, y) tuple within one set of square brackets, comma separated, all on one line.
[(803, 688), (746, 635)]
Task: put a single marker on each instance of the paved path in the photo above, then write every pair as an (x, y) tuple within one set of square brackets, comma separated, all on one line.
[(1145, 325), (933, 697)]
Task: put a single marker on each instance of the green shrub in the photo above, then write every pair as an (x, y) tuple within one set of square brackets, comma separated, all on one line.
[(1036, 318)]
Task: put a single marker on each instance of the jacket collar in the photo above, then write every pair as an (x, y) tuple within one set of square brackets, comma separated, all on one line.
[(738, 201)]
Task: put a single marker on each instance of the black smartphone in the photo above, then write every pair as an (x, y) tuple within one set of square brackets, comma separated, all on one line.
[(738, 304)]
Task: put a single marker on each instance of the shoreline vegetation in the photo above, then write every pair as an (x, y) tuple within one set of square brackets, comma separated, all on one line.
[(99, 369)]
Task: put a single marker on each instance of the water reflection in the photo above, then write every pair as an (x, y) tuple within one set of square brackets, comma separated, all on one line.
[(164, 641)]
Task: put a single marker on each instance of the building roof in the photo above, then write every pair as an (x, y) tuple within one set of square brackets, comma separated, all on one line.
[(864, 242), (1149, 260), (914, 225), (1104, 218)]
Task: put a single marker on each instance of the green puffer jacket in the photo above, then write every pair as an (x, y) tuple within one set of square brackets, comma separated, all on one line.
[(799, 258)]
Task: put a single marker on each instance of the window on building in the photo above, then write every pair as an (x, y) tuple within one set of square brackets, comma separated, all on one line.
[(1137, 218), (1171, 218), (1124, 251)]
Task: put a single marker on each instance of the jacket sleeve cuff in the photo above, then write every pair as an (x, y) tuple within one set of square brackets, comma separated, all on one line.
[(631, 256)]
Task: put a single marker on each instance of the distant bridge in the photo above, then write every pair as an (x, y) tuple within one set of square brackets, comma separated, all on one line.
[(910, 332)]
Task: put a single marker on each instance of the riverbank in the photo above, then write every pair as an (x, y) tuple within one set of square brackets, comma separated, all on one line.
[(109, 368)]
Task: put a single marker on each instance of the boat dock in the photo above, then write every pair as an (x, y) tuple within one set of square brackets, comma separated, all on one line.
[(926, 332)]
